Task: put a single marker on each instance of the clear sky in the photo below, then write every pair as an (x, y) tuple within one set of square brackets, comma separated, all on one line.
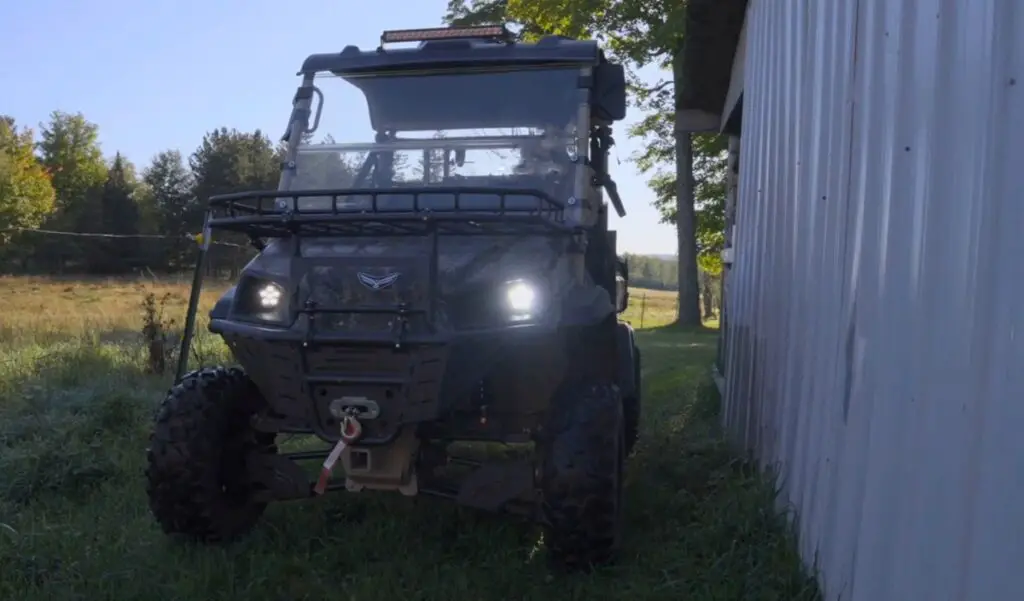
[(159, 74)]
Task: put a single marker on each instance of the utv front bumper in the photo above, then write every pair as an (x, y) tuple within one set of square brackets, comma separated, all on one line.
[(308, 382)]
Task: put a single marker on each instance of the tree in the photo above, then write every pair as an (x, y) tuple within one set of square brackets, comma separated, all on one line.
[(467, 13), (119, 214), (652, 272), (638, 32), (70, 152), (709, 167), (232, 161), (26, 194), (324, 170), (176, 211), (430, 164)]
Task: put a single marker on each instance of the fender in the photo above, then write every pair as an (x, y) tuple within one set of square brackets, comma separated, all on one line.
[(625, 343), (621, 285), (223, 305)]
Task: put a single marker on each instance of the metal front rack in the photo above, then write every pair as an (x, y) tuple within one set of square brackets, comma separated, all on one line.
[(360, 212), (258, 215)]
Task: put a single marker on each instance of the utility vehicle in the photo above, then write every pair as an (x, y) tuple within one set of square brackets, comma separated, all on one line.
[(452, 281)]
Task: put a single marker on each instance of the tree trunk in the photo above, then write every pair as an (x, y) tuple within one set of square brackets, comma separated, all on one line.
[(689, 290), (688, 312), (707, 295)]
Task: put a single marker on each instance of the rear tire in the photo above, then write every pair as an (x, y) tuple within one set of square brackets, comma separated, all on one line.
[(631, 407), (196, 478), (581, 476)]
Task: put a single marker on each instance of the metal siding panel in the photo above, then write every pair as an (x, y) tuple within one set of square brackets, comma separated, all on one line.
[(873, 352)]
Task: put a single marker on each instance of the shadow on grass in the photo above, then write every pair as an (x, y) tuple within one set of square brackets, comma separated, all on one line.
[(705, 505), (700, 524), (70, 411), (65, 416), (676, 328)]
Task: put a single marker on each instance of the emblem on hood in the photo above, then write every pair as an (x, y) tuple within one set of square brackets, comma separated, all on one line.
[(374, 282)]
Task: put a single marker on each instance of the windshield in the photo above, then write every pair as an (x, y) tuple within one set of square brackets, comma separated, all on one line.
[(509, 130)]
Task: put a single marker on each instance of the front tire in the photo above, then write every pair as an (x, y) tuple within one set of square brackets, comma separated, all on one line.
[(196, 478), (581, 476)]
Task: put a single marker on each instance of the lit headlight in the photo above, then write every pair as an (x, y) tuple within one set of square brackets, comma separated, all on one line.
[(521, 298), (260, 299), (270, 296)]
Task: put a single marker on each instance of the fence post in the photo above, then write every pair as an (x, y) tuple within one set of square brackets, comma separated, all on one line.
[(643, 309)]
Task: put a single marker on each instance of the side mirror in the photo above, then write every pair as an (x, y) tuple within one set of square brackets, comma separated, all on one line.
[(608, 96)]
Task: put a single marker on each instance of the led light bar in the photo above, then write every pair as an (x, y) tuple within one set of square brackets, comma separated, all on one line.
[(445, 33)]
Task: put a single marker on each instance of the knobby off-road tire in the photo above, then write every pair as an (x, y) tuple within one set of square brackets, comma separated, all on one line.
[(581, 476), (631, 408), (196, 477)]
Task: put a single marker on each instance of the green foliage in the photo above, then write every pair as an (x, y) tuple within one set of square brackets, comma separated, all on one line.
[(230, 160), (571, 18), (430, 165), (468, 13), (326, 170), (171, 186), (659, 273), (26, 195), (655, 273), (637, 32), (119, 214), (176, 211), (462, 13), (70, 151), (72, 187), (710, 162)]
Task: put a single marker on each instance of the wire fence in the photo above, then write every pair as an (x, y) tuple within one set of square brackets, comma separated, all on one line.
[(191, 237), (59, 253), (652, 309), (661, 308)]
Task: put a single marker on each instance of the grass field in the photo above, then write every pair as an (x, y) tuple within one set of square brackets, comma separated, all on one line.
[(75, 406)]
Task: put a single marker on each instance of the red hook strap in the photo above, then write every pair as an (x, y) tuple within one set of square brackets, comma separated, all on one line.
[(351, 430)]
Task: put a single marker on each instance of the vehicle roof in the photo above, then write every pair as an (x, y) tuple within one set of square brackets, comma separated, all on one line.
[(549, 50)]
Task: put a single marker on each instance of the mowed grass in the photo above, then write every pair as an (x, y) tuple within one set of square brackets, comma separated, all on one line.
[(75, 408)]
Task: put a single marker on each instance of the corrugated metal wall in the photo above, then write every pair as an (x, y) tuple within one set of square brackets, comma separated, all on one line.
[(875, 350)]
